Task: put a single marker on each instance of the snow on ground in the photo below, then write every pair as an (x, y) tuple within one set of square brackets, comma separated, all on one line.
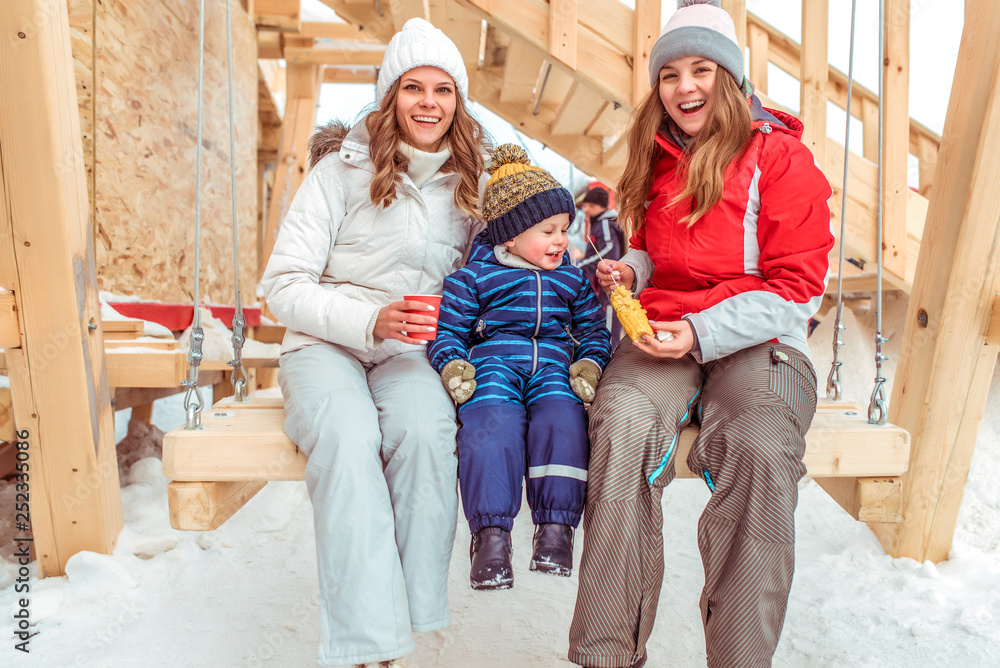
[(246, 594)]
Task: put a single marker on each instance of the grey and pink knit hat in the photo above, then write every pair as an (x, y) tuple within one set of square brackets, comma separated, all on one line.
[(698, 28)]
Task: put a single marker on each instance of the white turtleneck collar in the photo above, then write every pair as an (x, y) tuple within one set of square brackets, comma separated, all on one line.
[(508, 259), (423, 165)]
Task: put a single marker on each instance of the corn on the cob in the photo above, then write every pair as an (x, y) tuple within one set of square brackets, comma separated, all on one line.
[(630, 313)]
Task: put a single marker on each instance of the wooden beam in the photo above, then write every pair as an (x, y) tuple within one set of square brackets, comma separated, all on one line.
[(945, 370), (759, 50), (993, 328), (876, 500), (166, 368), (927, 154), (335, 54), (869, 124), (10, 328), (895, 134), (204, 506), (562, 31), (130, 397), (519, 73), (404, 10), (737, 9), (62, 403), (465, 29), (300, 112), (344, 32), (814, 72), (7, 430), (647, 29), (577, 111), (284, 15), (270, 45), (351, 75)]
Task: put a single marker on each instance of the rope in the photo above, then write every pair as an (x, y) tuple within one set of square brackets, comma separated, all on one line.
[(193, 402), (833, 387), (877, 408), (239, 377)]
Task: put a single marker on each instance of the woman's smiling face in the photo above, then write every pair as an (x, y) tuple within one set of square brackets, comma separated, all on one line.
[(425, 106), (686, 87)]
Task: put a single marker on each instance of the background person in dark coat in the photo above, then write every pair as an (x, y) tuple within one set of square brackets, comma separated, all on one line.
[(601, 231)]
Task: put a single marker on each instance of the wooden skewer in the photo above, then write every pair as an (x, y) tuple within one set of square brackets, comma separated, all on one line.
[(599, 257)]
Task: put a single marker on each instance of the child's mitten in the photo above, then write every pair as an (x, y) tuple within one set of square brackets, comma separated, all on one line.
[(458, 377), (583, 377)]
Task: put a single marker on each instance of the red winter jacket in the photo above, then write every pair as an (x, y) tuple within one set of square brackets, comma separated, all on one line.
[(754, 268)]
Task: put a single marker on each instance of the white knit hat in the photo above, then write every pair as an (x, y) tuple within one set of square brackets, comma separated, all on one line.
[(698, 28), (419, 43)]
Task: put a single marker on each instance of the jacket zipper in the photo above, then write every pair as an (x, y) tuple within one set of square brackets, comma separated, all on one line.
[(538, 324)]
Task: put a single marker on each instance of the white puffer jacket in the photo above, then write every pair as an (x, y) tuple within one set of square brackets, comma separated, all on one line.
[(338, 259)]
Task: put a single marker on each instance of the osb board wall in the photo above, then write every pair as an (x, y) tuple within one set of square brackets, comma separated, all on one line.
[(137, 81)]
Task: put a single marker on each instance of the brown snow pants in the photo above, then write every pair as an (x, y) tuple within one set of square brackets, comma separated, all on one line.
[(754, 407)]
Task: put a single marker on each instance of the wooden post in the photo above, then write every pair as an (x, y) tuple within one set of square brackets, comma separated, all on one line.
[(562, 31), (759, 48), (300, 112), (928, 154), (895, 134), (647, 29), (815, 71), (738, 10), (945, 370), (62, 404)]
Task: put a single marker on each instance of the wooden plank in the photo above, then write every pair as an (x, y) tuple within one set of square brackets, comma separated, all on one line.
[(350, 75), (519, 73), (142, 342), (10, 328), (613, 21), (945, 371), (895, 135), (562, 31), (7, 430), (814, 72), (759, 49), (250, 444), (344, 32), (876, 500), (270, 44), (165, 368), (130, 397), (248, 362), (204, 506), (335, 54), (143, 413), (647, 29), (927, 154), (129, 327), (465, 29), (993, 327), (577, 110), (47, 260), (282, 15), (402, 11), (737, 9), (268, 333), (300, 112)]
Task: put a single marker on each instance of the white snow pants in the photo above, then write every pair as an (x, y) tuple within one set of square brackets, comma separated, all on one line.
[(382, 471)]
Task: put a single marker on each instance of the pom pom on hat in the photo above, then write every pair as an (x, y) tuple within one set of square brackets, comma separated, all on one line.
[(698, 28), (419, 43), (520, 195)]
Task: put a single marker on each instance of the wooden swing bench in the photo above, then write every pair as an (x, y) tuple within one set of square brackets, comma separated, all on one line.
[(241, 446)]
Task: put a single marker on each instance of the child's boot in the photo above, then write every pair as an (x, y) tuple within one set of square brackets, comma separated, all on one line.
[(553, 549), (491, 552)]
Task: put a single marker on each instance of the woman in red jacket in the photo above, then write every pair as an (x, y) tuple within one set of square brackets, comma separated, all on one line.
[(730, 234)]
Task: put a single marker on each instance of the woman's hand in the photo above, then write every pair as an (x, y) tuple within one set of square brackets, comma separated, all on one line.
[(393, 321), (609, 271), (677, 347)]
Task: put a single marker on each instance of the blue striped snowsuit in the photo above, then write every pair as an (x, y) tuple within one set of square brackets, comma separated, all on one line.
[(521, 329)]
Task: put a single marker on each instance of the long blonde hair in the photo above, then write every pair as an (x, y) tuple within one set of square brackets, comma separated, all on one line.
[(722, 140), (467, 140)]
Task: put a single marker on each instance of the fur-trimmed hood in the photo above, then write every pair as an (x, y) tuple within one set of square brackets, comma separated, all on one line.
[(328, 139)]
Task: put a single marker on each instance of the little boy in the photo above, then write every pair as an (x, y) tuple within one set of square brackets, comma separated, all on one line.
[(520, 346)]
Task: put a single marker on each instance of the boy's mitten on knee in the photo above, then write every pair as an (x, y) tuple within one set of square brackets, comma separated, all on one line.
[(458, 377), (583, 377)]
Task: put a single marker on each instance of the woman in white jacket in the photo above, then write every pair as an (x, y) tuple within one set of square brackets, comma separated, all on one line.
[(387, 210)]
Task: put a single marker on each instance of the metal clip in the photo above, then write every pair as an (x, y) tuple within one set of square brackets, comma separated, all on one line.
[(239, 379)]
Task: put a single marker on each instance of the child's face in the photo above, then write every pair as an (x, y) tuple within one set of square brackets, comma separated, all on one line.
[(544, 244)]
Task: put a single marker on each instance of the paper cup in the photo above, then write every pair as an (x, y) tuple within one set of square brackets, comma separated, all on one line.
[(431, 300)]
